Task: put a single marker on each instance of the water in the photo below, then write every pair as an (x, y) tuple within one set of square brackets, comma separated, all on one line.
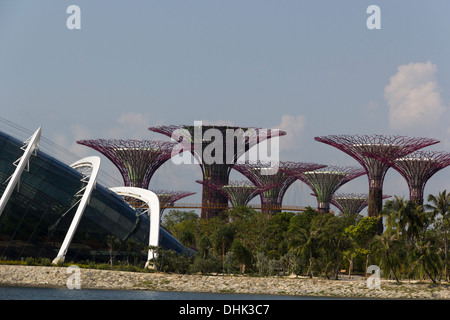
[(25, 293), (175, 305)]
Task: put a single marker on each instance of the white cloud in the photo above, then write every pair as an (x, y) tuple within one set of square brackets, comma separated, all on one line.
[(294, 127), (414, 98)]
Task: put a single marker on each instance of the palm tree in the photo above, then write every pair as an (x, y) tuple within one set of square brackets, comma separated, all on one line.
[(114, 245), (223, 238), (307, 239), (241, 254), (388, 247), (424, 257), (441, 205), (395, 211), (406, 218)]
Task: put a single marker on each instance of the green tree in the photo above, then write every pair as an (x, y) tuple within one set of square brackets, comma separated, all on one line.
[(241, 255), (167, 260), (134, 249), (114, 245), (187, 237), (223, 238), (394, 211), (204, 247), (424, 258), (276, 231), (360, 237), (251, 227), (335, 241), (306, 236), (183, 225), (174, 217), (204, 261), (388, 247)]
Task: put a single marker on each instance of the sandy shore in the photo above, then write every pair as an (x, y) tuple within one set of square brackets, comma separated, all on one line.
[(299, 286)]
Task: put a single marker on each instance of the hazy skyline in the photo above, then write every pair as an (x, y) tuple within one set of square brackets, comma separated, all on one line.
[(311, 68)]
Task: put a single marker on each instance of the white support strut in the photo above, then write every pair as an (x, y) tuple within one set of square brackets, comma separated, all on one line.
[(32, 144), (94, 163), (151, 199)]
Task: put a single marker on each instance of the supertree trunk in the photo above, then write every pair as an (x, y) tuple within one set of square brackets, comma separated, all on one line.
[(213, 201), (323, 207), (376, 201), (376, 198), (416, 194)]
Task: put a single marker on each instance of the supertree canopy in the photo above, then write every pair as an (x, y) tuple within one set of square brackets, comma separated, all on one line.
[(352, 203), (417, 168), (363, 148), (216, 149), (168, 198), (137, 160), (239, 192), (325, 182), (261, 174)]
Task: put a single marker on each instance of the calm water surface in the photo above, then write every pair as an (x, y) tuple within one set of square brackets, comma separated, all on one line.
[(22, 293)]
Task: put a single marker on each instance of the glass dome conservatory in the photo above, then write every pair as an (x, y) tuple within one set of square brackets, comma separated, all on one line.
[(38, 213)]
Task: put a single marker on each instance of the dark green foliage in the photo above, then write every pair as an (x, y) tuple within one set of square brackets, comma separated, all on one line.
[(413, 244), (170, 261)]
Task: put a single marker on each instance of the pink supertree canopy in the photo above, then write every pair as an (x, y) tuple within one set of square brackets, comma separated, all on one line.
[(238, 192), (324, 182), (263, 174), (363, 149), (417, 168), (168, 198), (352, 203)]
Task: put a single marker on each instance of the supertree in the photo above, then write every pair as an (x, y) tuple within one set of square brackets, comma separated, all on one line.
[(352, 203), (216, 149), (261, 174), (168, 198), (417, 168), (137, 160), (363, 148), (325, 182), (238, 192)]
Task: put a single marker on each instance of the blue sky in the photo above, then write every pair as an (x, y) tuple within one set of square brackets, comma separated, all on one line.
[(308, 67)]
